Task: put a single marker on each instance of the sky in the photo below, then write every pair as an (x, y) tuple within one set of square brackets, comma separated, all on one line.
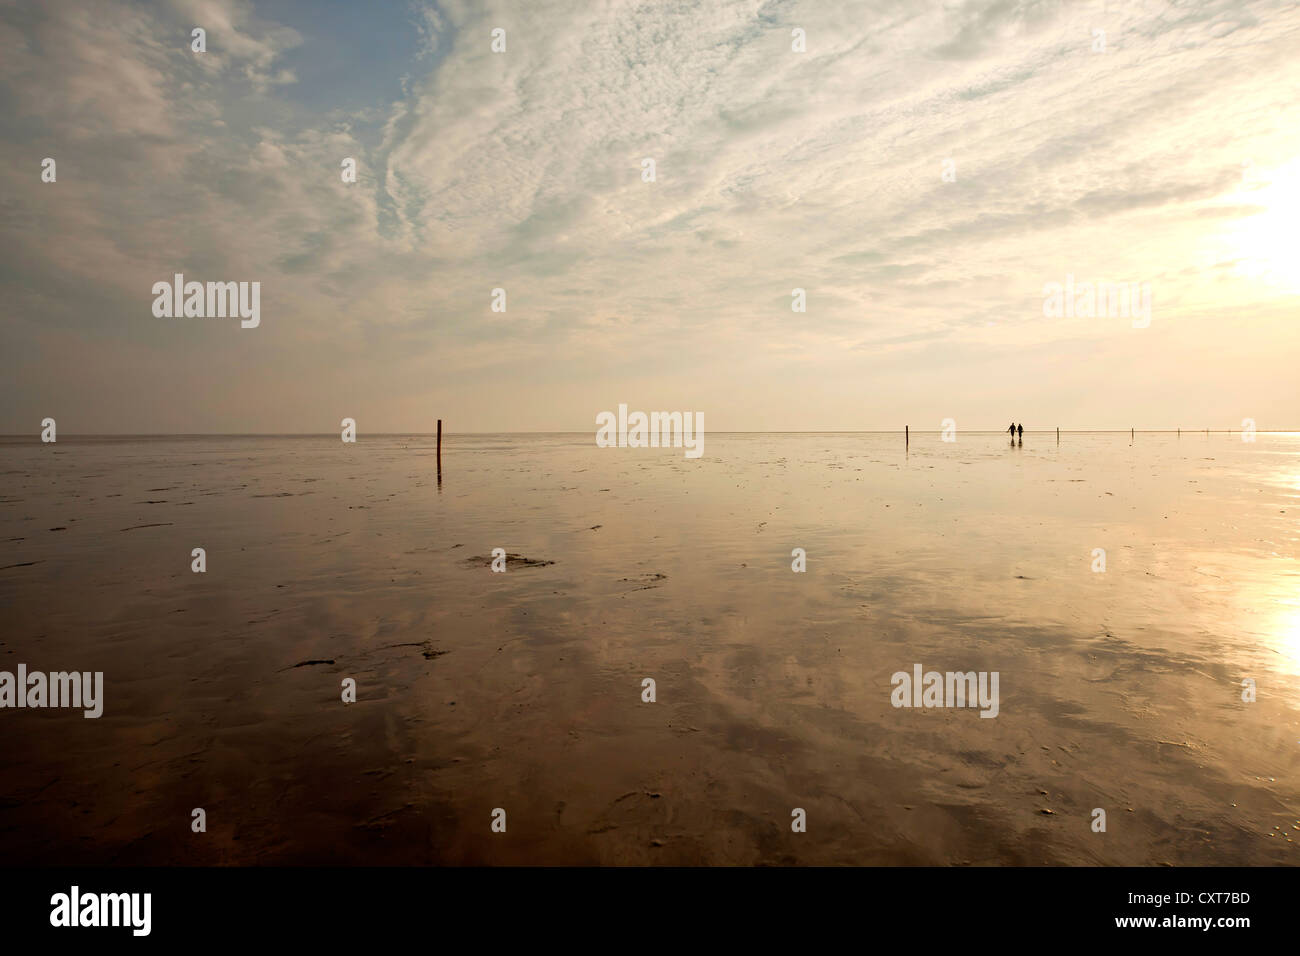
[(922, 171)]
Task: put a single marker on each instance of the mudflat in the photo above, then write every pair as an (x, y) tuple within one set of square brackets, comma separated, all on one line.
[(1119, 689)]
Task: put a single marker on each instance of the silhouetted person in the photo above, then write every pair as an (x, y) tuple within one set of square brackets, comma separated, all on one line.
[(1011, 430), (1020, 431)]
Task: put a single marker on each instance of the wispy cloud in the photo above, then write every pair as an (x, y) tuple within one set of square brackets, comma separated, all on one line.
[(775, 169)]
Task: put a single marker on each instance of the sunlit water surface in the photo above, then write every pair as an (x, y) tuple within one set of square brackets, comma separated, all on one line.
[(1120, 690)]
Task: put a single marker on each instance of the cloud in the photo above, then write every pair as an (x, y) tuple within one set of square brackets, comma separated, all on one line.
[(775, 170)]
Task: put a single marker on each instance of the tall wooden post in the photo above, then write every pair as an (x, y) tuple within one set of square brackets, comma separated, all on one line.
[(440, 448), (907, 436)]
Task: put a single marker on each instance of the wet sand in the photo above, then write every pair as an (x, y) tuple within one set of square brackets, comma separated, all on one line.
[(522, 690)]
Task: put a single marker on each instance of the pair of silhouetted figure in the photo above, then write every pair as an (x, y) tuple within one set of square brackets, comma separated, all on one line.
[(1014, 429)]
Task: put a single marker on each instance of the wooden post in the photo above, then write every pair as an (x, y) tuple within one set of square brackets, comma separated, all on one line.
[(1058, 434), (907, 436), (440, 447), (1130, 434)]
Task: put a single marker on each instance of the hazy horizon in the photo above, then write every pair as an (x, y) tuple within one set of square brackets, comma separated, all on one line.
[(447, 433)]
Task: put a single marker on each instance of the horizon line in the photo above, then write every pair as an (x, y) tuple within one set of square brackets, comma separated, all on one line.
[(816, 431)]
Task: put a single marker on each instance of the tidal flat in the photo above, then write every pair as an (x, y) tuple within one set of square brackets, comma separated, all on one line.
[(1119, 689)]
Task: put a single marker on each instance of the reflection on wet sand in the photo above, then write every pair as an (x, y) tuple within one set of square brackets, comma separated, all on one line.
[(523, 690)]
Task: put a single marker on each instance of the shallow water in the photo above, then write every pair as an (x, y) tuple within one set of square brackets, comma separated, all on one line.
[(1118, 690)]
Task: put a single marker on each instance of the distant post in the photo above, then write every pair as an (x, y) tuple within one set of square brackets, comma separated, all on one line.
[(907, 437), (440, 447), (1058, 434)]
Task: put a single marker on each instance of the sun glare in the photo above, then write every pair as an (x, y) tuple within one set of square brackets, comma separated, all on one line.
[(1264, 244)]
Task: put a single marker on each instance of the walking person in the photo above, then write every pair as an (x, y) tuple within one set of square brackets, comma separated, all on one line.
[(1020, 430)]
